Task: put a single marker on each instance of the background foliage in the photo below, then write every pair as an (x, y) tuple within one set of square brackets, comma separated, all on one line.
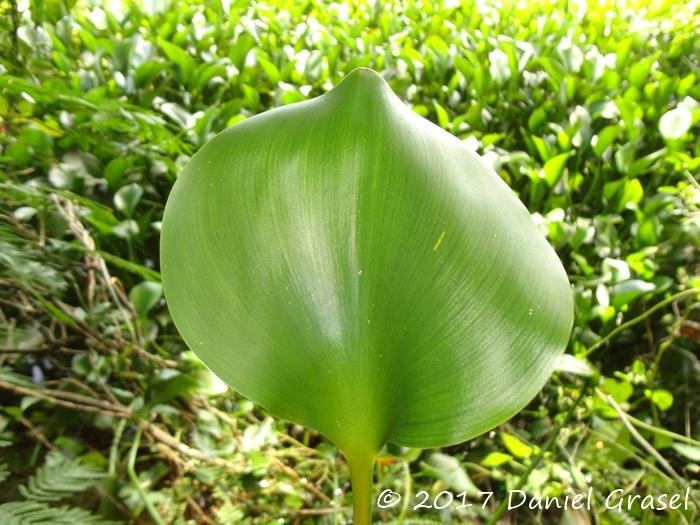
[(589, 112)]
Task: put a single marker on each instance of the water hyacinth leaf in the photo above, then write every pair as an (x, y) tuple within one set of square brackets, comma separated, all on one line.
[(144, 296), (554, 168), (628, 291), (354, 268), (127, 197), (675, 123), (449, 470)]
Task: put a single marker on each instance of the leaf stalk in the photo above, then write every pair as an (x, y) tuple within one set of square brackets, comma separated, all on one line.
[(361, 476)]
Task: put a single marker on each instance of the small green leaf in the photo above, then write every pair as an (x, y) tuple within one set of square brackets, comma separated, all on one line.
[(182, 59), (147, 71), (554, 69), (633, 193), (443, 119), (537, 119), (574, 365), (271, 71), (499, 67), (642, 164), (516, 446), (639, 72), (624, 157), (449, 470), (24, 213), (144, 296), (689, 451), (127, 197), (205, 73), (495, 459), (114, 171), (126, 229), (663, 399), (675, 123), (622, 51), (438, 45), (172, 386), (543, 148), (554, 167), (619, 390), (628, 291), (605, 138), (177, 113)]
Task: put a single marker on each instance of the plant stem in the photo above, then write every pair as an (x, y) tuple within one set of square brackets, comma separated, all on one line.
[(663, 432), (501, 509), (640, 318), (361, 476), (114, 449), (131, 471)]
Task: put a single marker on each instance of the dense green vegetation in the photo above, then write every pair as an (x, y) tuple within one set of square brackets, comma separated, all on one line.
[(589, 113)]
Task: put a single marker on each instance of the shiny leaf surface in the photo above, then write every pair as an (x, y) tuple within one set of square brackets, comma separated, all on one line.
[(354, 268)]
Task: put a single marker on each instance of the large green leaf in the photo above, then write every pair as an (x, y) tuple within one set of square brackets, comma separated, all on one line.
[(354, 268)]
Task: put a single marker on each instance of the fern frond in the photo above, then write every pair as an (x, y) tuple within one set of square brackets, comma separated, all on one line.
[(60, 479), (36, 513), (24, 265), (621, 517)]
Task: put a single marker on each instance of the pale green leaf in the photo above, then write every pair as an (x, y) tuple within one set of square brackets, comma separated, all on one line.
[(183, 61), (675, 123), (516, 446), (127, 197), (574, 365), (450, 471), (354, 268), (144, 296), (689, 451), (495, 459), (663, 399), (554, 167)]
